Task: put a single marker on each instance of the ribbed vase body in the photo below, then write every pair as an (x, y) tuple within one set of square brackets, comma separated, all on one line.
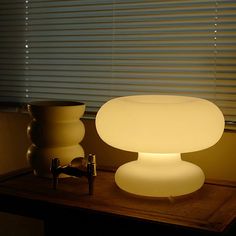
[(55, 130)]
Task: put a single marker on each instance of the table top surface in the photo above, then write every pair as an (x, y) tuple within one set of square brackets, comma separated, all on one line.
[(212, 208)]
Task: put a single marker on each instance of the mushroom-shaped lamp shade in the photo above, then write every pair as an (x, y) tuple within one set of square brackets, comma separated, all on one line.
[(159, 128)]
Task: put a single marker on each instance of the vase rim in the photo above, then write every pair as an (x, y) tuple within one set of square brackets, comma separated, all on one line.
[(58, 103)]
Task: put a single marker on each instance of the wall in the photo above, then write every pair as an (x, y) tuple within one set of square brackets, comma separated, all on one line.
[(217, 162), (13, 145)]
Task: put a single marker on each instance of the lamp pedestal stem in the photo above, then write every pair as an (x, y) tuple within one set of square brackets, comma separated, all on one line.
[(159, 175)]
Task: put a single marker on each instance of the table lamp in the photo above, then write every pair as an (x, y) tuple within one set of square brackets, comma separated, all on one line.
[(159, 128)]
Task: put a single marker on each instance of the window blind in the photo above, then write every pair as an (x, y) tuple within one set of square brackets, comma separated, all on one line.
[(92, 51), (12, 50)]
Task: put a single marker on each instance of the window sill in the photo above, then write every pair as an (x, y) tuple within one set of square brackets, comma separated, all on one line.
[(11, 107)]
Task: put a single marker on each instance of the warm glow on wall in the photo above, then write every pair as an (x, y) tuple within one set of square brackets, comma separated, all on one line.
[(159, 128)]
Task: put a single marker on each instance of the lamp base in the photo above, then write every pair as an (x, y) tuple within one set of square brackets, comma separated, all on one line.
[(159, 175)]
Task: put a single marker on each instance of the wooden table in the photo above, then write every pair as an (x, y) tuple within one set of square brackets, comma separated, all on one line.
[(209, 211)]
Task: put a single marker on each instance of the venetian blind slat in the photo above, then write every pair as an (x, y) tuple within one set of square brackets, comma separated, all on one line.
[(92, 51)]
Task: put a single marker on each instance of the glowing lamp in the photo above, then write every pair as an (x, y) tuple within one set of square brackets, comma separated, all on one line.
[(159, 128)]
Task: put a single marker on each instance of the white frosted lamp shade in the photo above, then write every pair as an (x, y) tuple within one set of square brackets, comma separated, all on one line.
[(159, 128), (160, 123)]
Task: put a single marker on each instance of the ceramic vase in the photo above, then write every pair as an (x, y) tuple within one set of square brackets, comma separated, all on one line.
[(55, 131)]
